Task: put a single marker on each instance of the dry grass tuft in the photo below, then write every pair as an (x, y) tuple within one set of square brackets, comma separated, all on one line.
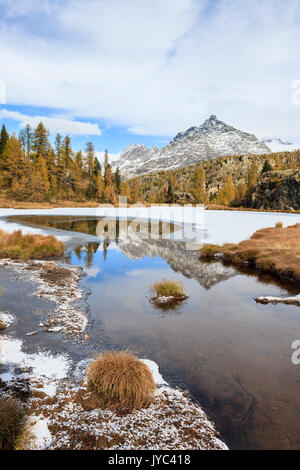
[(119, 380), (272, 250), (279, 225), (167, 288), (13, 424), (18, 246), (2, 325), (209, 251)]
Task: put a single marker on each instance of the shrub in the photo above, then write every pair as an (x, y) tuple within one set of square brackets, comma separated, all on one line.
[(12, 424), (119, 380), (279, 225), (167, 288), (18, 246), (209, 251)]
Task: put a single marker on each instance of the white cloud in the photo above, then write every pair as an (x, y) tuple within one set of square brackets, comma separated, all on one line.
[(156, 67), (111, 156), (54, 124), (2, 92)]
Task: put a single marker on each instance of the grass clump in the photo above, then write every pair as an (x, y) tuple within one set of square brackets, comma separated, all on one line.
[(167, 288), (13, 424), (279, 225), (120, 380), (272, 250), (18, 246), (209, 251)]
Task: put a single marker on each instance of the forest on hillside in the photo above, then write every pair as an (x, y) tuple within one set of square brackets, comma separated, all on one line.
[(32, 169), (228, 181)]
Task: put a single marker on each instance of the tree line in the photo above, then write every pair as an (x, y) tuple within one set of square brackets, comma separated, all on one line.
[(33, 169)]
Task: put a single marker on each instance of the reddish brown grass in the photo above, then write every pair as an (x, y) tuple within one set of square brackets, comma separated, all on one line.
[(119, 380), (18, 246), (12, 424), (272, 250)]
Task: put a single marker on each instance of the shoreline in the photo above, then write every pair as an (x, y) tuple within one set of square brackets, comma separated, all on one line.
[(204, 225), (51, 385), (19, 205), (62, 386)]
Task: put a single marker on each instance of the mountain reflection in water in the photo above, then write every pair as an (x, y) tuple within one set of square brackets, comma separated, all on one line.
[(232, 354)]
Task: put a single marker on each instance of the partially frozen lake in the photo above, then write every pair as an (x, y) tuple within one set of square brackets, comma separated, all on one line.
[(232, 354)]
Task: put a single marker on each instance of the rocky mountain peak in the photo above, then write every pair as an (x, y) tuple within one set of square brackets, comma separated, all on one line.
[(210, 140)]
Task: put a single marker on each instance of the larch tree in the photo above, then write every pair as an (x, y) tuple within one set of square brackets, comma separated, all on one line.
[(199, 185), (40, 142), (125, 190)]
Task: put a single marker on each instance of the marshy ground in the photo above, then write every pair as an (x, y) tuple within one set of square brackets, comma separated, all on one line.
[(271, 250)]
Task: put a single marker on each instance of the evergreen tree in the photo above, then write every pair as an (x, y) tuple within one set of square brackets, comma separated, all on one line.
[(90, 158), (106, 162), (3, 139), (117, 179), (97, 167), (40, 142), (26, 138), (267, 167), (170, 199), (58, 148), (53, 186), (67, 152)]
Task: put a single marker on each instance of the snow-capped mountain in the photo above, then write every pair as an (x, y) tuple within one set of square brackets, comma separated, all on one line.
[(280, 145), (211, 140)]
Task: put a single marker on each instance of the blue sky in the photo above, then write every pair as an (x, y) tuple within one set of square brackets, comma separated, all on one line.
[(114, 138), (118, 72)]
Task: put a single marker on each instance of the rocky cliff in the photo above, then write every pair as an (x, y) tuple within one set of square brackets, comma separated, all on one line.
[(278, 190)]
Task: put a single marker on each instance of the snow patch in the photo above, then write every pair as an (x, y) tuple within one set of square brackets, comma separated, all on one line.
[(41, 368), (158, 379), (41, 434), (294, 300)]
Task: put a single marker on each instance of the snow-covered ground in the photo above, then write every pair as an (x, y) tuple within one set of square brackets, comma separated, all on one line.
[(279, 145), (59, 419), (212, 226)]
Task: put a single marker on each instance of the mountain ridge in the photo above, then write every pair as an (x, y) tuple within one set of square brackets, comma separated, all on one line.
[(210, 140)]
